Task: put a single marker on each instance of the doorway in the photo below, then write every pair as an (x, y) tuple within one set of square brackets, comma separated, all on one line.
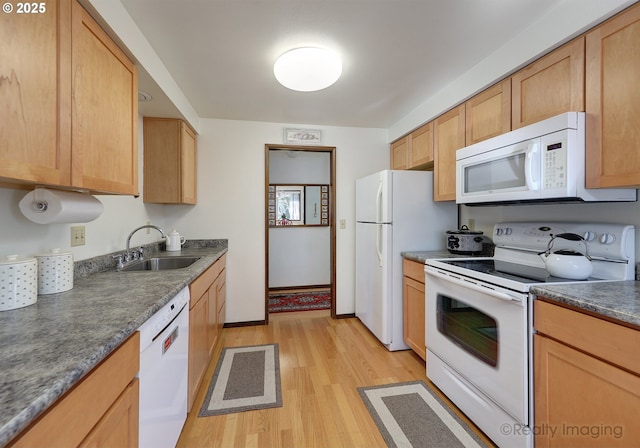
[(300, 232)]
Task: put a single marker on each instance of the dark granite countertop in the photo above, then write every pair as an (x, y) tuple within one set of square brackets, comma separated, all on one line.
[(47, 347), (617, 301), (423, 256)]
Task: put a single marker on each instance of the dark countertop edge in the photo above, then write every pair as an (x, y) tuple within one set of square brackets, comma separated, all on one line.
[(53, 393), (617, 301)]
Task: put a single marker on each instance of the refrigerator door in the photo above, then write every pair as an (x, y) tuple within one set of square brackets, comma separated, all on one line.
[(373, 278), (373, 198)]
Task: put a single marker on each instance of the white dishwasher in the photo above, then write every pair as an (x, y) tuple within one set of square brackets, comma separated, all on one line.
[(164, 345)]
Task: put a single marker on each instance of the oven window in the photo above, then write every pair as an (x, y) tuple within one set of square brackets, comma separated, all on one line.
[(469, 328)]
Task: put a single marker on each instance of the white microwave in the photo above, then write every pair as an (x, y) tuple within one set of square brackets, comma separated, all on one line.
[(544, 161)]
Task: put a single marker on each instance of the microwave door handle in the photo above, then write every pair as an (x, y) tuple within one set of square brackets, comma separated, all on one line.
[(530, 158)]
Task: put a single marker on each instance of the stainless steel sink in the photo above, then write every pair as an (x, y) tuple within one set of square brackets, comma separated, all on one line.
[(161, 264)]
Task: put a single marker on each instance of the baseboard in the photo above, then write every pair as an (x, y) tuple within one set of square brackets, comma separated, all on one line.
[(244, 324), (345, 316)]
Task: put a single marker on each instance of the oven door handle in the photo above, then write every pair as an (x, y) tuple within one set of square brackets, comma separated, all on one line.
[(474, 286)]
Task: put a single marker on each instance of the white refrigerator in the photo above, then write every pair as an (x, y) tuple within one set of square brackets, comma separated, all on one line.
[(395, 212)]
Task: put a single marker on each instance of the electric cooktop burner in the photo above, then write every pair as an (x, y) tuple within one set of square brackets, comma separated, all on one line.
[(511, 271)]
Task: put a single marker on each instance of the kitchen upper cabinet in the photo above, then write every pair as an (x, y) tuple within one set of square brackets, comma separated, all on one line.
[(101, 410), (104, 137), (414, 151), (413, 306), (170, 150), (488, 113), (613, 102), (586, 380), (70, 103), (449, 136), (400, 154), (421, 147), (549, 86), (35, 93)]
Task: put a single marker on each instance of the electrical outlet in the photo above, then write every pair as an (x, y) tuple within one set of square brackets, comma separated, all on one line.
[(77, 236), (343, 223), (472, 224), (148, 229)]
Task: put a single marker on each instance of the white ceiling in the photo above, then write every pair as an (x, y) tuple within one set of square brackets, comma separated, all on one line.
[(396, 53)]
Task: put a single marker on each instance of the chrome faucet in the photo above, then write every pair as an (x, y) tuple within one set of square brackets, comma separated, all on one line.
[(127, 254)]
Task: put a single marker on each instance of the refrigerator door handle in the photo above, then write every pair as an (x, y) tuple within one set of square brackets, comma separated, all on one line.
[(379, 203), (379, 243)]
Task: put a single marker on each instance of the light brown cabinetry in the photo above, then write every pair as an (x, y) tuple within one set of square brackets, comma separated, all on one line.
[(549, 86), (170, 150), (101, 410), (613, 102), (489, 113), (449, 136), (586, 380), (104, 112), (206, 318), (414, 151), (413, 306), (35, 142), (400, 154), (70, 103)]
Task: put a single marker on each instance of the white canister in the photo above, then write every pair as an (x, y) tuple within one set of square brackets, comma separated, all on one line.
[(55, 272), (18, 282)]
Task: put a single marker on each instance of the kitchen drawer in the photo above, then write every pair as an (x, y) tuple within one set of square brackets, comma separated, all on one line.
[(413, 269), (601, 338)]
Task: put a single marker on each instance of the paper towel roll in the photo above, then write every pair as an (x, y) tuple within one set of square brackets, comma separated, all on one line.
[(44, 206)]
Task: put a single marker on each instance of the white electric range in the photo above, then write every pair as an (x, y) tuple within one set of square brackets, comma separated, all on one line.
[(478, 317)]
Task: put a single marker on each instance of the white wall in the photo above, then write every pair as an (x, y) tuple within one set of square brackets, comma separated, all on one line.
[(106, 234), (569, 19), (621, 213), (231, 180)]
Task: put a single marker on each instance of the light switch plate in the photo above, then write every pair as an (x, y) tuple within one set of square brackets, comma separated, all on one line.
[(77, 236)]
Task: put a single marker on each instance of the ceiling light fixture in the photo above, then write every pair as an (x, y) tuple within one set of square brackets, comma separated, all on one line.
[(308, 69)]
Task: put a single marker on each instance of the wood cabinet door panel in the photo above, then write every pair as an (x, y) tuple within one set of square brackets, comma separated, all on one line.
[(414, 317), (400, 154), (120, 425), (421, 146), (581, 401), (104, 111), (613, 102), (35, 94), (188, 166), (198, 349), (550, 86), (488, 114), (449, 136)]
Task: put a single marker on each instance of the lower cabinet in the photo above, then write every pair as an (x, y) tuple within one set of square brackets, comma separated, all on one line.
[(586, 380), (413, 306), (100, 411), (206, 319)]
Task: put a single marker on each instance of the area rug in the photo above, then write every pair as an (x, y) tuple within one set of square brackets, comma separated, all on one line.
[(410, 415), (246, 378), (300, 301)]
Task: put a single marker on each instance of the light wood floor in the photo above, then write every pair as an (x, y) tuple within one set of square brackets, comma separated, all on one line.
[(322, 362)]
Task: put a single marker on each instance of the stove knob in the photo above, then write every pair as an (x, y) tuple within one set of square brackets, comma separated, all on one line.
[(507, 231), (607, 238), (498, 232), (589, 236)]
